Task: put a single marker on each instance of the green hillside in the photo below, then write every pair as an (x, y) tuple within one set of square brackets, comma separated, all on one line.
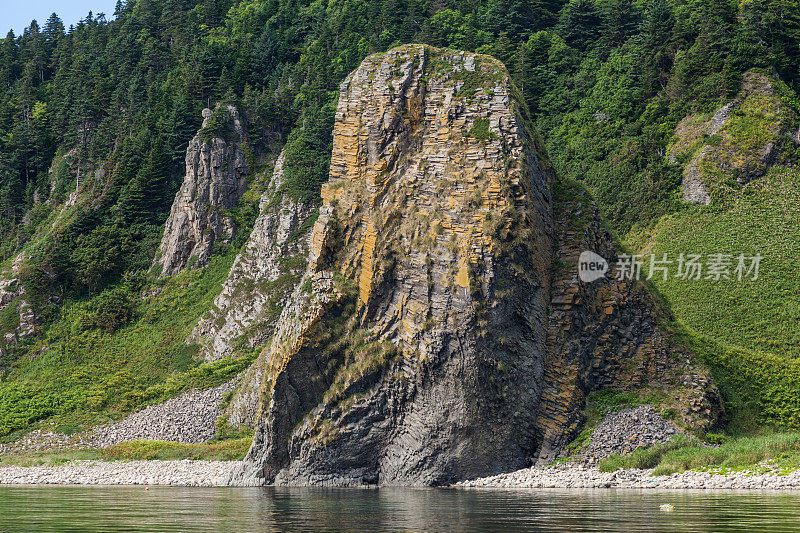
[(81, 373), (753, 325), (95, 120), (764, 219)]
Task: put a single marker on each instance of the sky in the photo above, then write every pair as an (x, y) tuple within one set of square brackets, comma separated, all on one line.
[(17, 14)]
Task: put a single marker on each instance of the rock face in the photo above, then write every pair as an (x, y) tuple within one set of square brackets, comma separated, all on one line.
[(12, 294), (216, 177), (606, 334), (743, 138), (262, 278), (433, 336), (412, 351)]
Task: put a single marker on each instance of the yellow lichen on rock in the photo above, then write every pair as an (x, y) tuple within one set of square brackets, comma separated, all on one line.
[(367, 263), (462, 277)]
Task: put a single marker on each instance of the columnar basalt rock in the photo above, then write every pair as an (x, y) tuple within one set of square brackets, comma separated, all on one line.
[(412, 351), (216, 177), (262, 278), (607, 334)]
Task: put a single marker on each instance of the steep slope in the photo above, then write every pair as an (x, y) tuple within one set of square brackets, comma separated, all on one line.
[(745, 321), (75, 192), (216, 177), (417, 349), (17, 320), (609, 334), (740, 140), (76, 359), (748, 326)]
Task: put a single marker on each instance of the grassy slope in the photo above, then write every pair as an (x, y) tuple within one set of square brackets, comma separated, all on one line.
[(757, 315), (780, 450), (79, 378), (747, 331)]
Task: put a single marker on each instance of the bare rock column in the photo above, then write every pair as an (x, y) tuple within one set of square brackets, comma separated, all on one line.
[(412, 351), (216, 177)]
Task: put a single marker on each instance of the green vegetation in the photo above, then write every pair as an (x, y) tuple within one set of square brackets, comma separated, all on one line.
[(746, 331), (580, 442), (781, 451), (80, 374), (602, 402), (219, 124), (480, 130), (226, 450)]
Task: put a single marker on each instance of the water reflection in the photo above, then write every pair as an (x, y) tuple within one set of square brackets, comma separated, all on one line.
[(111, 509)]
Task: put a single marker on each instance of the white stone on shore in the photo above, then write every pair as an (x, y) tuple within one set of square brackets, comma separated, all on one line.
[(216, 473), (580, 476), (175, 473)]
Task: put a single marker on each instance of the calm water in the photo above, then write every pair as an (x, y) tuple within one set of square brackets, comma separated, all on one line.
[(242, 510)]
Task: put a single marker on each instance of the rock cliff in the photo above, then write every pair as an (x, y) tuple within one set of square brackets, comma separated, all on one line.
[(411, 352), (742, 138), (419, 348), (21, 321), (263, 275), (216, 177)]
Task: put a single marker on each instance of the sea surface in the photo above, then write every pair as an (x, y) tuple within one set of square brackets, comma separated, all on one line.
[(234, 510)]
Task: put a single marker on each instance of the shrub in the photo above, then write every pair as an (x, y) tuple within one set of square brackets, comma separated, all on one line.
[(112, 309), (480, 130)]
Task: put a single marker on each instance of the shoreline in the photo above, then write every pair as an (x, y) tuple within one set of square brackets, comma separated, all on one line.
[(192, 473), (577, 476), (178, 473)]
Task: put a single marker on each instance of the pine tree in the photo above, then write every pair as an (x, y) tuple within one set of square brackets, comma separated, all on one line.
[(9, 54), (53, 29), (579, 23), (621, 19), (503, 49), (656, 30), (153, 178)]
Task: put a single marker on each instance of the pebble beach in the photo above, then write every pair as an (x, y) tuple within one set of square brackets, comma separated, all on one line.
[(216, 473)]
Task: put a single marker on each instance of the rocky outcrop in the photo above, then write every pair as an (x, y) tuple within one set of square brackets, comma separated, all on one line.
[(743, 138), (262, 278), (412, 351), (216, 177), (607, 334), (12, 295), (431, 338)]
